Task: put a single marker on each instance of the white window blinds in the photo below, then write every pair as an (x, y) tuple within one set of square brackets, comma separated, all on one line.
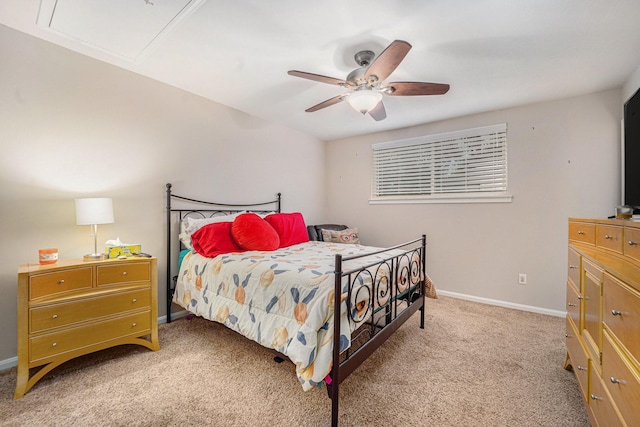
[(462, 163)]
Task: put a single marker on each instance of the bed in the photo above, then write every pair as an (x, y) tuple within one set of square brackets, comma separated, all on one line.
[(283, 295)]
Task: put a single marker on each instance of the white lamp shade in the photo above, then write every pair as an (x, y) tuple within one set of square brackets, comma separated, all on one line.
[(364, 100), (94, 211)]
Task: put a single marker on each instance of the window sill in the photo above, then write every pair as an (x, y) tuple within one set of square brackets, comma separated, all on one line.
[(392, 200)]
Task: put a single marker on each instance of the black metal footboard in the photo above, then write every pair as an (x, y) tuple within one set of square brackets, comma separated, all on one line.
[(380, 296)]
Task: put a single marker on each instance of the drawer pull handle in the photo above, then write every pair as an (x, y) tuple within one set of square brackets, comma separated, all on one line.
[(581, 368), (617, 381), (55, 316), (580, 232), (594, 397), (616, 312), (124, 273), (55, 344), (61, 281), (606, 236), (632, 243), (570, 304), (571, 267), (580, 297), (135, 300), (134, 325)]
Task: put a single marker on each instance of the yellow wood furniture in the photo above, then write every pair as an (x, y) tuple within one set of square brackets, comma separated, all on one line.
[(76, 307), (603, 318)]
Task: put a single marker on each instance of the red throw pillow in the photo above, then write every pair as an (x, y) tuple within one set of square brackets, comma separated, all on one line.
[(214, 239), (254, 233), (290, 227)]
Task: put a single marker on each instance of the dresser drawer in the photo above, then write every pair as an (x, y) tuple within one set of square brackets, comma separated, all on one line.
[(592, 310), (59, 281), (123, 273), (623, 384), (54, 344), (56, 315), (574, 268), (632, 243), (582, 232), (609, 237), (622, 314), (593, 269), (573, 304), (578, 356), (602, 405)]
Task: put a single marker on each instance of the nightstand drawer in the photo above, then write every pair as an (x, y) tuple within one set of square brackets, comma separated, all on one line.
[(123, 273), (49, 345), (53, 316), (59, 281), (609, 237)]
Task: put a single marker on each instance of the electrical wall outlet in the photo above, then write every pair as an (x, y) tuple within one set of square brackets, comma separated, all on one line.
[(522, 279)]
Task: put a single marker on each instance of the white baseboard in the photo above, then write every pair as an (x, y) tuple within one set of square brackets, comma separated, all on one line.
[(505, 304), (174, 316), (8, 363), (13, 361)]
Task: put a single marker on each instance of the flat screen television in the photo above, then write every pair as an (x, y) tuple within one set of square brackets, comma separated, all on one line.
[(631, 153)]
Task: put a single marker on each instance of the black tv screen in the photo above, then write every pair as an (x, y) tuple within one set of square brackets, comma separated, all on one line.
[(631, 176)]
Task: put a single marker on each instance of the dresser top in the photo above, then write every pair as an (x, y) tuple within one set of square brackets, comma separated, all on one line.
[(635, 223), (61, 264)]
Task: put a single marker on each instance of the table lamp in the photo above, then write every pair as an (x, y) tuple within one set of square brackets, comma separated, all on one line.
[(94, 211)]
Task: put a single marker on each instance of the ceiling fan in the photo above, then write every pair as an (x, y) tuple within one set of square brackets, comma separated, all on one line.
[(366, 82)]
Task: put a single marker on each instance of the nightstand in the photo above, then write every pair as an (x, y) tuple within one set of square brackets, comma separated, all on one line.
[(76, 307)]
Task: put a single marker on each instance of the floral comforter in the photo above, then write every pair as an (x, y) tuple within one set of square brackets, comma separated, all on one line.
[(281, 299)]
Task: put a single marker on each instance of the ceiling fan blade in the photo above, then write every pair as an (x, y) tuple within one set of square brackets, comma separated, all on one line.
[(317, 77), (388, 60), (416, 88), (378, 112), (327, 103)]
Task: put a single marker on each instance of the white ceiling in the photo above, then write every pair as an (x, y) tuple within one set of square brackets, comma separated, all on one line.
[(494, 53)]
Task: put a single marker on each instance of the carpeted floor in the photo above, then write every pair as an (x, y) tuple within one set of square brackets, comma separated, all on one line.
[(473, 365)]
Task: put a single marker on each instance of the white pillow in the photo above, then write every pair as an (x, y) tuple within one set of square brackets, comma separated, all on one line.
[(189, 225)]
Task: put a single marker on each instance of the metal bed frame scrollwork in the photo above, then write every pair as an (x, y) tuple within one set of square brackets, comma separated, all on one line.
[(394, 288)]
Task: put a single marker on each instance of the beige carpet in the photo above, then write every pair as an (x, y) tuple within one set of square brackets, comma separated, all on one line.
[(473, 365)]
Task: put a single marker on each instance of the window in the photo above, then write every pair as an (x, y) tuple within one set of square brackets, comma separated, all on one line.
[(464, 166)]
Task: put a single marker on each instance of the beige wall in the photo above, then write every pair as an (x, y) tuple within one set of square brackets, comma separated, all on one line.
[(564, 160), (73, 127)]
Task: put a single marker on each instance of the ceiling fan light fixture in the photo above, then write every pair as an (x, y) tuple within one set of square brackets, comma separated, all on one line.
[(364, 100), (367, 82)]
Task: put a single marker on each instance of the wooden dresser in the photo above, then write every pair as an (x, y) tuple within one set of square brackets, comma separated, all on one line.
[(75, 307), (603, 318)]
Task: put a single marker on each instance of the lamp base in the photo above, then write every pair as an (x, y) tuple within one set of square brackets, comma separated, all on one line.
[(94, 257)]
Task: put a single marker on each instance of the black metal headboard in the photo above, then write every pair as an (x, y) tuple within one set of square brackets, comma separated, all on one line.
[(204, 209)]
